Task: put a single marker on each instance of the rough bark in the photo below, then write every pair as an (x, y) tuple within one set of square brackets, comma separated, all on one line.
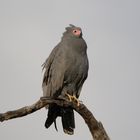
[(96, 128)]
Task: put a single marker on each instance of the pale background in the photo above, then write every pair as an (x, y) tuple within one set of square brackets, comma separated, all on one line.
[(29, 29)]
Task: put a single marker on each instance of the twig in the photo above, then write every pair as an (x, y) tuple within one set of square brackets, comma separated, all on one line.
[(96, 128)]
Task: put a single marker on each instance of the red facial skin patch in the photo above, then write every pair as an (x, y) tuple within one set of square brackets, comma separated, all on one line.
[(77, 32)]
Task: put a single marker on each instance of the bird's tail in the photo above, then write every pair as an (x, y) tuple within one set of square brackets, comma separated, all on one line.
[(68, 121), (67, 116)]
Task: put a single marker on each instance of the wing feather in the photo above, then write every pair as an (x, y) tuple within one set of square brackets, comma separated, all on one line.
[(54, 73)]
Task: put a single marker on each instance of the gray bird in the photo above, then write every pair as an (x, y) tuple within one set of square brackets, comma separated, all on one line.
[(66, 69)]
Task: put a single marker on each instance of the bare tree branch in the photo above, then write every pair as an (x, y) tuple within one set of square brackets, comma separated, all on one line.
[(96, 128)]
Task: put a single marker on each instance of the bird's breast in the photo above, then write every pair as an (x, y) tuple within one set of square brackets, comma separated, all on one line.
[(76, 67)]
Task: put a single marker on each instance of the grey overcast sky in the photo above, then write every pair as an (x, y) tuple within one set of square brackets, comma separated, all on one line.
[(29, 29)]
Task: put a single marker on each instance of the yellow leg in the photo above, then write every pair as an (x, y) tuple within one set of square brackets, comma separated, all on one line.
[(75, 99), (69, 97)]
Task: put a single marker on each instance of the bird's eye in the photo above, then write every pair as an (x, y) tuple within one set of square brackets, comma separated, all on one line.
[(74, 31)]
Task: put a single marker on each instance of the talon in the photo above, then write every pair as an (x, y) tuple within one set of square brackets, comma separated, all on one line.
[(69, 97), (78, 103), (75, 99)]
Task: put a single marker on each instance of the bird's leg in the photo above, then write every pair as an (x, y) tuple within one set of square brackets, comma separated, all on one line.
[(69, 97), (73, 98), (76, 100)]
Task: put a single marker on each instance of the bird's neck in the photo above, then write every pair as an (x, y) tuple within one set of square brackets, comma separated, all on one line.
[(76, 44)]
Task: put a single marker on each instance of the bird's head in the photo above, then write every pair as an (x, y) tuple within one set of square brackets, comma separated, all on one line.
[(73, 31)]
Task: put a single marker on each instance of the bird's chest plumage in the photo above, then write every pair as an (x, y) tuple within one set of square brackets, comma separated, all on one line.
[(75, 74), (76, 64)]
